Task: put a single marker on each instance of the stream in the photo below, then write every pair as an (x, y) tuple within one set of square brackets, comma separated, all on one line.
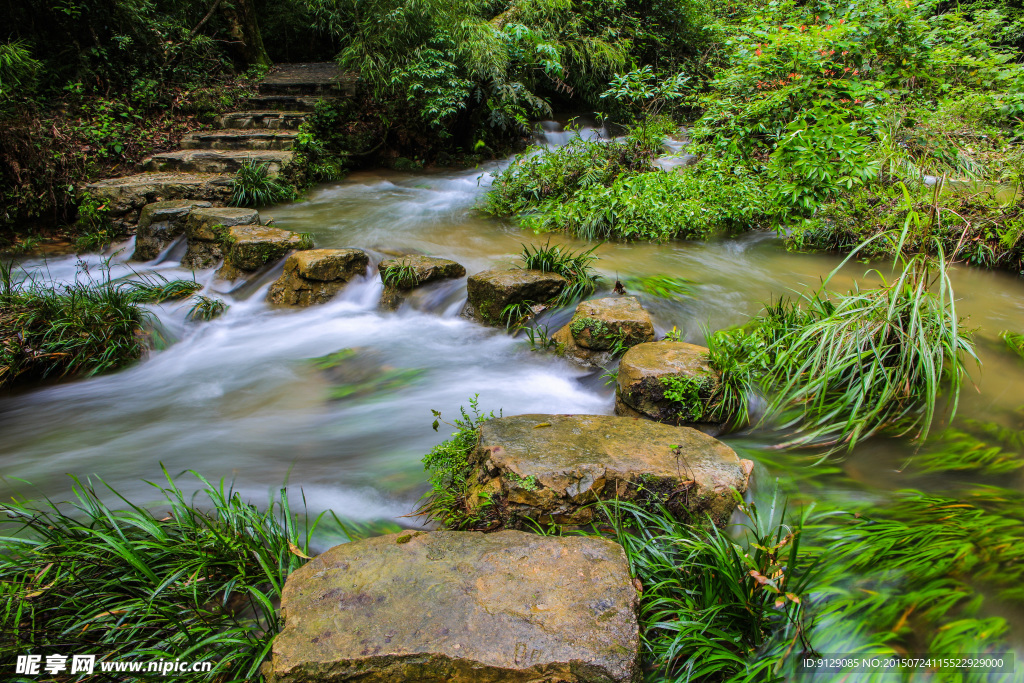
[(237, 397)]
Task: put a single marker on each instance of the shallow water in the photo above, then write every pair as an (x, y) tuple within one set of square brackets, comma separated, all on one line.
[(237, 397)]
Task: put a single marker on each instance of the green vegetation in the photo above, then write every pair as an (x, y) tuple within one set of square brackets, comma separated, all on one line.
[(197, 579), (837, 369), (575, 266), (695, 397), (206, 309), (661, 286), (447, 502), (253, 186), (400, 276)]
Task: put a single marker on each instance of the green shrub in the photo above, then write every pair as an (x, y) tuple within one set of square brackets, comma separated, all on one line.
[(654, 206), (254, 186)]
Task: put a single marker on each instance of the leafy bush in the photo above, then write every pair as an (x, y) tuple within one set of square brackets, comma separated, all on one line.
[(654, 206), (198, 581)]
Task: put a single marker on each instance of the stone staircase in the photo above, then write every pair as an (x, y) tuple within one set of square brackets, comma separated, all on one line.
[(264, 132)]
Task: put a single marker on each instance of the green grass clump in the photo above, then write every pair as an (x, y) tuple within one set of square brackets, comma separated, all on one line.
[(254, 186), (156, 289), (205, 309), (837, 369), (447, 502), (64, 330), (574, 266), (400, 276), (196, 580)]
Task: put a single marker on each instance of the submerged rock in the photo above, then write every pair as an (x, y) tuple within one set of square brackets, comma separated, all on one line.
[(604, 328), (207, 231), (315, 276), (642, 385), (401, 275), (160, 223), (460, 607), (250, 247), (491, 291), (550, 468)]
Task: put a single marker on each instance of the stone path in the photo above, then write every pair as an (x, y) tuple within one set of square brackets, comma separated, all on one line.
[(263, 132)]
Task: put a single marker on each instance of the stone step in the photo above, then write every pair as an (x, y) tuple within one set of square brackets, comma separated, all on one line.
[(307, 79), (127, 195), (216, 161), (271, 119), (284, 102), (252, 138)]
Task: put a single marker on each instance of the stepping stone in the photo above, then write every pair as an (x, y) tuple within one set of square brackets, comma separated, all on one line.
[(410, 271), (460, 607), (267, 119), (127, 195), (252, 138), (207, 231), (216, 161), (641, 384), (551, 468), (604, 328), (316, 276), (491, 291), (160, 224), (283, 102)]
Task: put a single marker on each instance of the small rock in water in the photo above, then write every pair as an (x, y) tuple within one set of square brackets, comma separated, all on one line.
[(207, 230), (554, 474), (404, 273), (250, 247), (460, 607), (604, 328), (491, 291), (641, 384), (316, 276)]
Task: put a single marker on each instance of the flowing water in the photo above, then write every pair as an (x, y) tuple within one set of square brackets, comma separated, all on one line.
[(238, 398)]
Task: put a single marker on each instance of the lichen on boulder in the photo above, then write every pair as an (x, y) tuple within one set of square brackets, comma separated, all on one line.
[(671, 382), (460, 607), (604, 328), (316, 276), (489, 292), (160, 223), (404, 273), (552, 468)]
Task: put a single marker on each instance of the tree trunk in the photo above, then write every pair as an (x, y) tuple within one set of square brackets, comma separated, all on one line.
[(244, 27)]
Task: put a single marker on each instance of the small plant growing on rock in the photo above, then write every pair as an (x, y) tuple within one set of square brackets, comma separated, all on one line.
[(206, 309), (254, 186), (400, 276), (156, 289), (575, 267), (448, 463)]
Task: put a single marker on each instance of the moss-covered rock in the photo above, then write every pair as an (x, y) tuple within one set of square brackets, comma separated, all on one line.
[(404, 273), (207, 231), (126, 196), (671, 382), (604, 328), (251, 247), (316, 276), (160, 223), (460, 607), (489, 292), (551, 468)]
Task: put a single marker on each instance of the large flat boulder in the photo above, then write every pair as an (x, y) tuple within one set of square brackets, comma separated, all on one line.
[(250, 247), (671, 382), (602, 329), (402, 274), (126, 196), (207, 231), (160, 223), (315, 276), (460, 607), (551, 468), (491, 291), (216, 161)]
